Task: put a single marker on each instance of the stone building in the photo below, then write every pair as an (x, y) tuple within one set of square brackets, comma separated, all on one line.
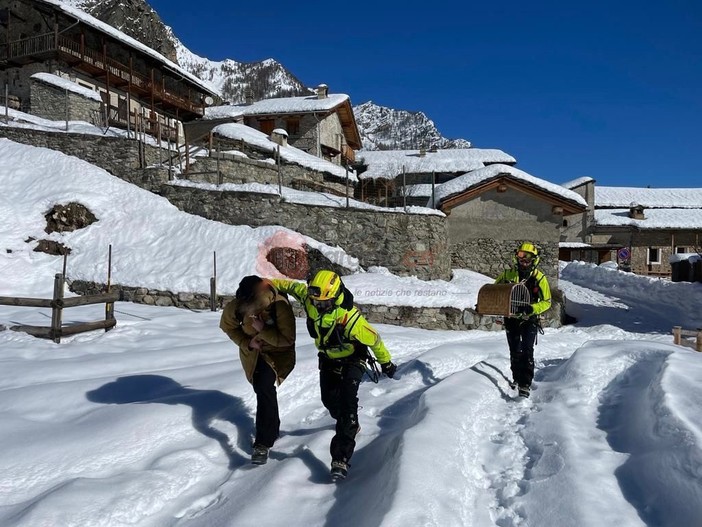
[(490, 205), (493, 209), (138, 87), (638, 228), (322, 124)]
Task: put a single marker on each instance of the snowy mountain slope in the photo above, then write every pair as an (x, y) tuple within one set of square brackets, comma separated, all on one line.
[(383, 128), (155, 244)]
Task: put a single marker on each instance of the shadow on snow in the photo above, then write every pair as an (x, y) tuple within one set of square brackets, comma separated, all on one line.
[(367, 495), (633, 415), (206, 405)]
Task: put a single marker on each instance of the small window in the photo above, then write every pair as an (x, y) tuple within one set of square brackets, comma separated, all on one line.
[(565, 223), (292, 126), (681, 250), (266, 126), (654, 255)]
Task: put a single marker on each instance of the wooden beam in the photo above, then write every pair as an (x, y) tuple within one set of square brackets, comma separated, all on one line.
[(86, 300), (24, 302), (88, 326), (35, 331), (48, 333)]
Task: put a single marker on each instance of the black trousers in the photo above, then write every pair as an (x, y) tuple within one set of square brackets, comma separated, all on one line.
[(338, 383), (521, 335), (267, 417)]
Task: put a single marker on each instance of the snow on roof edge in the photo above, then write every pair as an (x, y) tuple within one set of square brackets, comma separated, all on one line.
[(119, 35), (475, 177)]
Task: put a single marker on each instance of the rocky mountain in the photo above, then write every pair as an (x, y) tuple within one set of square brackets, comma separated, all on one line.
[(384, 128), (138, 19), (381, 128), (135, 18)]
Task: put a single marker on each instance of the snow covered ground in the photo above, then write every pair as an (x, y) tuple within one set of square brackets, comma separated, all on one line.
[(150, 424)]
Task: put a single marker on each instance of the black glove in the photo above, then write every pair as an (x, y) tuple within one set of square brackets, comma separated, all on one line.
[(526, 310), (388, 369)]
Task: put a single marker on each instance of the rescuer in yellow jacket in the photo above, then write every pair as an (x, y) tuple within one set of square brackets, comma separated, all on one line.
[(524, 326), (342, 336)]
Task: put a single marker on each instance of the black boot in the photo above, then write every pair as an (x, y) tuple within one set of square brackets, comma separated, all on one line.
[(339, 470), (260, 455)]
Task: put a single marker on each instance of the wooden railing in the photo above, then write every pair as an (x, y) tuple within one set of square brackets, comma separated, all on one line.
[(57, 304), (66, 46), (31, 46), (679, 335)]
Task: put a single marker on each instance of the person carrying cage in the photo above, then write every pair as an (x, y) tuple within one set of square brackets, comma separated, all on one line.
[(523, 327)]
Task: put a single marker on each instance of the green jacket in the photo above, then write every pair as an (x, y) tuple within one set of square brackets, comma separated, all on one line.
[(335, 331), (537, 284)]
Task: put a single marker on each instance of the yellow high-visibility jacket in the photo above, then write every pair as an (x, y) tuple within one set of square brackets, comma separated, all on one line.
[(536, 282), (335, 331)]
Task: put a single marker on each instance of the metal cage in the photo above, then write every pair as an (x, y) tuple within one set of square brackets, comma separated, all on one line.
[(502, 299)]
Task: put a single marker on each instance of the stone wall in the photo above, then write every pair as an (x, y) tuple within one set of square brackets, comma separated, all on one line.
[(240, 170), (442, 318), (120, 157), (407, 244), (56, 104), (490, 257)]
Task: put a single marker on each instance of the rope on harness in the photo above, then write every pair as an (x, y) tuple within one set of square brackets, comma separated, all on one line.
[(372, 368)]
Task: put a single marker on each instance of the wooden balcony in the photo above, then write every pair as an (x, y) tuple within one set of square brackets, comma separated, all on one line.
[(106, 70)]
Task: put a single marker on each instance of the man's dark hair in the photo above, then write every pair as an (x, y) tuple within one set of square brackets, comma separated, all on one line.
[(247, 287)]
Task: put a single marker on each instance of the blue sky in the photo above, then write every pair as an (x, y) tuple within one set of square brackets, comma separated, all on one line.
[(611, 90)]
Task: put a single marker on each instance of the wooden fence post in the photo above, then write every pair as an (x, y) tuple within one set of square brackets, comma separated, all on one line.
[(280, 170), (56, 308), (109, 306), (698, 343), (677, 335), (213, 286), (219, 169)]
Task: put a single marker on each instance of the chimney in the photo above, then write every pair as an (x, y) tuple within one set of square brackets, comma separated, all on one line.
[(280, 137), (636, 211), (322, 91), (248, 96)]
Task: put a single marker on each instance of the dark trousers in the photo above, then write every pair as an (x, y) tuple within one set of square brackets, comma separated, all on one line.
[(267, 418), (338, 383), (521, 335)]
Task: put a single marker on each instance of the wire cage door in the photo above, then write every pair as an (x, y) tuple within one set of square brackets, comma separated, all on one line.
[(502, 299)]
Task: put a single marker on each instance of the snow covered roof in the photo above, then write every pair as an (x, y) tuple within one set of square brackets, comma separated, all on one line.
[(388, 164), (280, 105), (653, 218), (65, 84), (575, 183), (620, 197), (289, 153), (129, 41), (482, 175), (684, 257), (573, 245), (421, 190)]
